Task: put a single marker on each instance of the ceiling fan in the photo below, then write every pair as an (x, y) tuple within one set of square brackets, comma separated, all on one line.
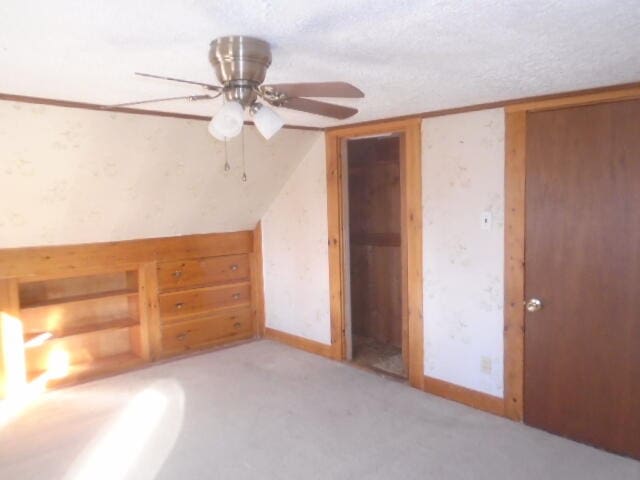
[(241, 65)]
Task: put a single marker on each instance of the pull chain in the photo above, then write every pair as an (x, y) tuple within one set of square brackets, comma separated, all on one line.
[(227, 167), (244, 165)]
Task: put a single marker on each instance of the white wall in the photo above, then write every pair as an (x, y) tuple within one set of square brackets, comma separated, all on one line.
[(463, 176), (73, 176), (295, 251)]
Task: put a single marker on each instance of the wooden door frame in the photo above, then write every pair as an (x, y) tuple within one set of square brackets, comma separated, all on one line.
[(514, 266), (411, 236)]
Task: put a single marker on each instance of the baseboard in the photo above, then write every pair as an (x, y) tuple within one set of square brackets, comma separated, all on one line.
[(471, 398), (299, 342)]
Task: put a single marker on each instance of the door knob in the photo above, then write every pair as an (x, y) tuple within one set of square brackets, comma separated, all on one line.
[(533, 305)]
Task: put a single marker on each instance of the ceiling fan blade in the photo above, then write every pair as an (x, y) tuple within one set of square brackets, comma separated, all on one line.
[(319, 108), (188, 97), (208, 86), (317, 89)]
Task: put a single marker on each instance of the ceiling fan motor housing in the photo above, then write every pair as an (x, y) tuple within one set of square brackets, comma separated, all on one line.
[(241, 65)]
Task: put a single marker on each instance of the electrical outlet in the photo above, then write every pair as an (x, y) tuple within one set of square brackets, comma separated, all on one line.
[(486, 365), (486, 220)]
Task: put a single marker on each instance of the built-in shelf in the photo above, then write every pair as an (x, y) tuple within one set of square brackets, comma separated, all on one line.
[(95, 310), (81, 298), (80, 330), (96, 368)]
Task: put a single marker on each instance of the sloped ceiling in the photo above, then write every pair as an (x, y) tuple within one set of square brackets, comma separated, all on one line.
[(72, 176), (407, 56)]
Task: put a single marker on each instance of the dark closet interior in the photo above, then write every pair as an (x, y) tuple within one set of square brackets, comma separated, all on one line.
[(375, 257)]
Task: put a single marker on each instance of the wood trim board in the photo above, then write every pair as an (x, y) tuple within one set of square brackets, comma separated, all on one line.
[(300, 343), (471, 398), (12, 363), (258, 282), (553, 100), (133, 111), (31, 262), (411, 245), (336, 245), (587, 97), (150, 309), (411, 237), (515, 143)]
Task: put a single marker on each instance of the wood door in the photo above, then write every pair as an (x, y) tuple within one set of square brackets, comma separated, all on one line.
[(582, 349)]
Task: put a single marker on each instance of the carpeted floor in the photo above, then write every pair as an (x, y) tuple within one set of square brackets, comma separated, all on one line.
[(266, 411)]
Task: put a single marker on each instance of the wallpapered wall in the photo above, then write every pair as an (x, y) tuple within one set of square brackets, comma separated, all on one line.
[(75, 176), (462, 177), (295, 251)]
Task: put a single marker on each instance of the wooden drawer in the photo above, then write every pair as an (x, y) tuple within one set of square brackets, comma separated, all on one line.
[(202, 332), (203, 271), (201, 300)]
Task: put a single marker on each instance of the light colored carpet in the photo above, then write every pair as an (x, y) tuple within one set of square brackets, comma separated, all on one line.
[(266, 411)]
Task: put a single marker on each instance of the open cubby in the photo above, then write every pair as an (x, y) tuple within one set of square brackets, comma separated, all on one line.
[(94, 319), (78, 288)]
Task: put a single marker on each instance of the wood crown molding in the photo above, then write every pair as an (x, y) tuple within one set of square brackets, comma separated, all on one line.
[(553, 100), (466, 396), (576, 99), (133, 111)]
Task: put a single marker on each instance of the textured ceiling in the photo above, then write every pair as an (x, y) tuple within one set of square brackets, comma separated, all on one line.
[(407, 56)]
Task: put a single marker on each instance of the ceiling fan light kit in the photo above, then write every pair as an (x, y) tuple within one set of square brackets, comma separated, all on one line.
[(227, 123), (266, 120), (241, 65)]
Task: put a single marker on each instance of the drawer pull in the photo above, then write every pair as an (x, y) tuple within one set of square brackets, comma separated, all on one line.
[(177, 274), (236, 296), (179, 305), (234, 267), (181, 337), (237, 325)]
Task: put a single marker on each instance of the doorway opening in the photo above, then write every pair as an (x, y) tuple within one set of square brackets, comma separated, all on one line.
[(409, 136), (372, 207)]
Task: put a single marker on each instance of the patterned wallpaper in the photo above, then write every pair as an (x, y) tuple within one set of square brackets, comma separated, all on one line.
[(75, 176), (463, 176), (296, 252)]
